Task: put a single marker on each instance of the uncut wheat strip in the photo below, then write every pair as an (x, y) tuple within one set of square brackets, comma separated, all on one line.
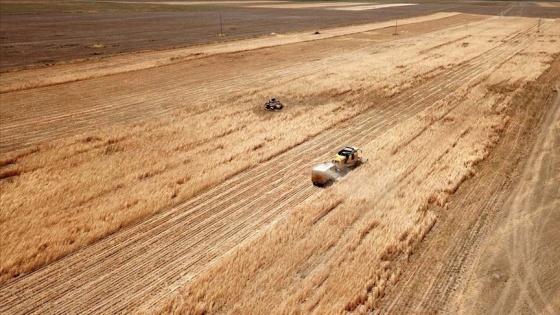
[(314, 272), (286, 273), (458, 134), (313, 292)]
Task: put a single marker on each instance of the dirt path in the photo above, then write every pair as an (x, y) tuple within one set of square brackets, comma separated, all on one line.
[(517, 270)]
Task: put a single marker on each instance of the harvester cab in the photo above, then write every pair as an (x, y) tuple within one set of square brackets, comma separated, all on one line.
[(347, 158)]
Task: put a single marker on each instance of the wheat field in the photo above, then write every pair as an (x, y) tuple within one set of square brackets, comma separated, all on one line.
[(334, 253), (337, 253)]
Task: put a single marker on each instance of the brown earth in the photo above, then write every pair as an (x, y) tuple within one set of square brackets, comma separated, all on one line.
[(118, 190), (516, 268), (45, 39), (37, 34)]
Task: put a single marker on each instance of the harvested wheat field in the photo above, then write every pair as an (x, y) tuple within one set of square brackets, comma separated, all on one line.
[(157, 183)]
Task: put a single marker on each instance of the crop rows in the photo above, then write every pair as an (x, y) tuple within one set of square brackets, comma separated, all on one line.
[(434, 294), (136, 267)]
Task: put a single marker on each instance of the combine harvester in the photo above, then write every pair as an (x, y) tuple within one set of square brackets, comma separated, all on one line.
[(344, 161)]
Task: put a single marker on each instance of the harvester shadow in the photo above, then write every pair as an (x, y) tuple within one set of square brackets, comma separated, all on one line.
[(266, 114), (340, 174)]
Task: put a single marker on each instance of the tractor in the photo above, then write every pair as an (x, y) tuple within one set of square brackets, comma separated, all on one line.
[(273, 104)]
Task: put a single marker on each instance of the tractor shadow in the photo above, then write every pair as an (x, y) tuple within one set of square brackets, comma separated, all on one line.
[(267, 114)]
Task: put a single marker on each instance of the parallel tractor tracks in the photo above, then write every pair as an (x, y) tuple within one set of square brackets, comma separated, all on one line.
[(139, 266), (430, 297), (107, 107), (525, 285)]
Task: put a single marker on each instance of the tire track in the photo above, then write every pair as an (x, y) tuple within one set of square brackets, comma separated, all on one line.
[(526, 200), (93, 113), (412, 296), (460, 253)]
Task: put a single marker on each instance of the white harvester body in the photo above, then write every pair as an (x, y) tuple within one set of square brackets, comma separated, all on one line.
[(323, 173), (345, 160)]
